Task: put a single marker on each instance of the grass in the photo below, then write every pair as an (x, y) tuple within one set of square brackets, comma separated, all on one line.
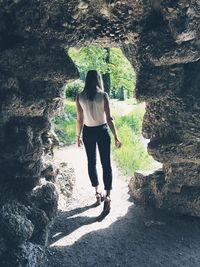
[(132, 155), (132, 119)]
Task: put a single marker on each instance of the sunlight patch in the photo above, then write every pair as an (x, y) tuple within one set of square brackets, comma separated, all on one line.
[(118, 211)]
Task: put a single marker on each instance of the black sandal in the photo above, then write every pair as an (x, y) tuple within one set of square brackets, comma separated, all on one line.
[(107, 206), (99, 197), (106, 209)]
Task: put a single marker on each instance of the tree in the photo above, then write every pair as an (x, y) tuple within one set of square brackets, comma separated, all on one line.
[(116, 70), (88, 58), (106, 75), (121, 72)]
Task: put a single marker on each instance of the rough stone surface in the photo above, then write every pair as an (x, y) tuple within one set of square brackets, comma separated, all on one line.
[(28, 254), (162, 41), (45, 198), (50, 171), (16, 227), (65, 181)]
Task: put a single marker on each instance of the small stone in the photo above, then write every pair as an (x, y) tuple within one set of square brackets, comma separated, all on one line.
[(83, 5), (105, 12), (170, 10), (65, 24), (76, 15)]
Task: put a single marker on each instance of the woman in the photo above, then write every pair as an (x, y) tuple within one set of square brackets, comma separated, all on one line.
[(93, 119)]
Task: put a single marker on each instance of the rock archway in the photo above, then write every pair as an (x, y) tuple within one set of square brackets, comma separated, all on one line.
[(161, 40)]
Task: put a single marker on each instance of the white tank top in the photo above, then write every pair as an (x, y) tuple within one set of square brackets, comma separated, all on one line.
[(93, 111)]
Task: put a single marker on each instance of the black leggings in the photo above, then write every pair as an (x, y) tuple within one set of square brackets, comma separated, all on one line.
[(98, 135)]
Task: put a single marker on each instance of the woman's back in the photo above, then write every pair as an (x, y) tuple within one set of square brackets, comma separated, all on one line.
[(93, 110)]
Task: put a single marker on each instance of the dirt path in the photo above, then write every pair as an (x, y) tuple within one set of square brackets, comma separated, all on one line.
[(128, 236)]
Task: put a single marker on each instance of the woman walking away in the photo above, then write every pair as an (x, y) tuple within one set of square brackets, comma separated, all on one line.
[(93, 119)]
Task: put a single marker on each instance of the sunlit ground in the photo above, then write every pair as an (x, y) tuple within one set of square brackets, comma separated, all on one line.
[(84, 196)]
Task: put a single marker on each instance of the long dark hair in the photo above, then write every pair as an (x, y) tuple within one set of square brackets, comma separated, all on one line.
[(93, 83)]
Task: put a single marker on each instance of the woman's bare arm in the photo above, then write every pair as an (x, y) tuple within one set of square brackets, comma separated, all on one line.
[(79, 121), (110, 120)]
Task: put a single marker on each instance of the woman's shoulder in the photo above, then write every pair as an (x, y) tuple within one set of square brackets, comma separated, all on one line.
[(81, 94), (102, 93), (106, 95)]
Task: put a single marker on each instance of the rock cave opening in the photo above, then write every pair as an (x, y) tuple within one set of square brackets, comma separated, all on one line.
[(119, 80), (161, 40)]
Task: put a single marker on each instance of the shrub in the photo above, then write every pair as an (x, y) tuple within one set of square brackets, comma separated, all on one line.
[(70, 108), (73, 88)]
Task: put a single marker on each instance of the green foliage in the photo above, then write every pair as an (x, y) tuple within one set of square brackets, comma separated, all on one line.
[(133, 119), (65, 127), (89, 58), (73, 88), (132, 155), (121, 72), (70, 108)]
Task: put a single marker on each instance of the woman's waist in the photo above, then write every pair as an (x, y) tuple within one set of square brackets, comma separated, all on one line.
[(95, 126)]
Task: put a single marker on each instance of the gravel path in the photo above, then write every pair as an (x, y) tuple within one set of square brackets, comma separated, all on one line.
[(128, 236)]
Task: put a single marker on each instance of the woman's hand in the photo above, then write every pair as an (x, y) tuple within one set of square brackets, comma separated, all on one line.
[(79, 141), (118, 143)]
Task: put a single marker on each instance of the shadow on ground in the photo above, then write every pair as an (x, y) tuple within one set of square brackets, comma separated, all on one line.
[(143, 237)]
